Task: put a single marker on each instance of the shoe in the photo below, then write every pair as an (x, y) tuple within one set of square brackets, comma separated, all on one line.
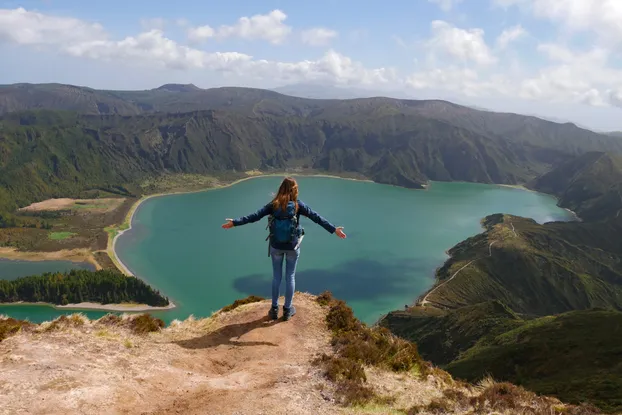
[(288, 312), (273, 313)]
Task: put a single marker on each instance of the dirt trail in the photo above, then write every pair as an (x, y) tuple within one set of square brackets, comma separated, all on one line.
[(234, 363)]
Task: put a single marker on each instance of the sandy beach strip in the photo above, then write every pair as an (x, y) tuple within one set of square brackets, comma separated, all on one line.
[(122, 307), (73, 255), (112, 253)]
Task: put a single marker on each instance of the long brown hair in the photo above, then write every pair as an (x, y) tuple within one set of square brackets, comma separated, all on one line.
[(288, 192)]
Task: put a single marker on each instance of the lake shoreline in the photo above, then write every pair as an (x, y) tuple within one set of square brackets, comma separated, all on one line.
[(125, 307), (112, 253), (83, 255)]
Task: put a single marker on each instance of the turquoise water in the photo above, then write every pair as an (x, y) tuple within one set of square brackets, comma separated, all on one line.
[(11, 269), (396, 239)]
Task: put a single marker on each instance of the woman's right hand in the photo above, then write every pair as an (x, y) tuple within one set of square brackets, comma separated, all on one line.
[(340, 233), (228, 224)]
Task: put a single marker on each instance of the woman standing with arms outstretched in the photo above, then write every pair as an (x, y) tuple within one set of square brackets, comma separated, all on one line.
[(285, 236)]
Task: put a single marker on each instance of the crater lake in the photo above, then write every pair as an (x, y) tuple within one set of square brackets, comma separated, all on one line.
[(396, 239)]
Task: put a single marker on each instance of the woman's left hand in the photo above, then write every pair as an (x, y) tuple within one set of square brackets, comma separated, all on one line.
[(340, 233), (228, 224)]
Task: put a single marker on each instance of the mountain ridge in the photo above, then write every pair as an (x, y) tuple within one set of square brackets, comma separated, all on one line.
[(108, 150), (520, 280)]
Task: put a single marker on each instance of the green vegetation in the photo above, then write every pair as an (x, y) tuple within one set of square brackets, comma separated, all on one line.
[(59, 236), (574, 356), (590, 185), (248, 300), (520, 275), (356, 345), (78, 286), (534, 269), (500, 398), (538, 305), (49, 152)]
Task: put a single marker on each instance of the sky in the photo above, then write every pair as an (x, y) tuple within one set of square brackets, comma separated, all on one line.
[(559, 59)]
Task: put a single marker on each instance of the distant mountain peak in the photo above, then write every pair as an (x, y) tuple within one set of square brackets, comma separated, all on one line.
[(178, 88)]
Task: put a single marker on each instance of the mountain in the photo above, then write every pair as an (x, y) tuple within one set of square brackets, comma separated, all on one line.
[(590, 185), (534, 304), (114, 138), (514, 278), (615, 133), (320, 91), (516, 302), (572, 355), (323, 361), (174, 98)]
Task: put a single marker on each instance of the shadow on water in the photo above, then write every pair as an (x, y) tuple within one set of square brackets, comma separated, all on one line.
[(226, 334), (356, 280)]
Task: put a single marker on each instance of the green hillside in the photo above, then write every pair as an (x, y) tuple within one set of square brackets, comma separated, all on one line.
[(85, 138), (535, 304), (50, 153), (575, 356), (590, 185), (499, 291)]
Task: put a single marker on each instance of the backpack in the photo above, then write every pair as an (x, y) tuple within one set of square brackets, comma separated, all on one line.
[(284, 225)]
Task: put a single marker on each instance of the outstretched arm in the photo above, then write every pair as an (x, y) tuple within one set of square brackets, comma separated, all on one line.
[(308, 212), (253, 217)]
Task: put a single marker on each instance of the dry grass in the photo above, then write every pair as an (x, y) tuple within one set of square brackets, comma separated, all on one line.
[(242, 361), (103, 204), (248, 300), (491, 397), (145, 323), (63, 322), (10, 326), (355, 346)]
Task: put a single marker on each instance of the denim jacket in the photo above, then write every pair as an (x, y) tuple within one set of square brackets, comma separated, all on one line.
[(302, 210)]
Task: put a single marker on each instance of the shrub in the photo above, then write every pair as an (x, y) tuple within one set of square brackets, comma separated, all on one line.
[(145, 323), (10, 326), (356, 345), (237, 303)]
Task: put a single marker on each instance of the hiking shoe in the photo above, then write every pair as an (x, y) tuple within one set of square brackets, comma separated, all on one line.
[(288, 312), (273, 313)]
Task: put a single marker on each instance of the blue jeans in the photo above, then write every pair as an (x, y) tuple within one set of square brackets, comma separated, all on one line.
[(291, 259)]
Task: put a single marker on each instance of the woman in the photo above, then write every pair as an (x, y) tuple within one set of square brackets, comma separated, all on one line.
[(285, 236)]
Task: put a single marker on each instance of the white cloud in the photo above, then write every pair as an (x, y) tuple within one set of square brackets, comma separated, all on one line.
[(81, 39), (584, 77), (446, 5), (466, 45), (269, 27), (32, 28), (602, 17), (197, 34), (318, 36), (453, 59), (509, 35)]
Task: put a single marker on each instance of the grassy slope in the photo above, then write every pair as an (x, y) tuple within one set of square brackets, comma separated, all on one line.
[(133, 135), (576, 356), (540, 270), (590, 185), (524, 309), (47, 154), (483, 321)]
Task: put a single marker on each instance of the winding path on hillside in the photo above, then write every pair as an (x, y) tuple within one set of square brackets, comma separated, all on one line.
[(424, 301)]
